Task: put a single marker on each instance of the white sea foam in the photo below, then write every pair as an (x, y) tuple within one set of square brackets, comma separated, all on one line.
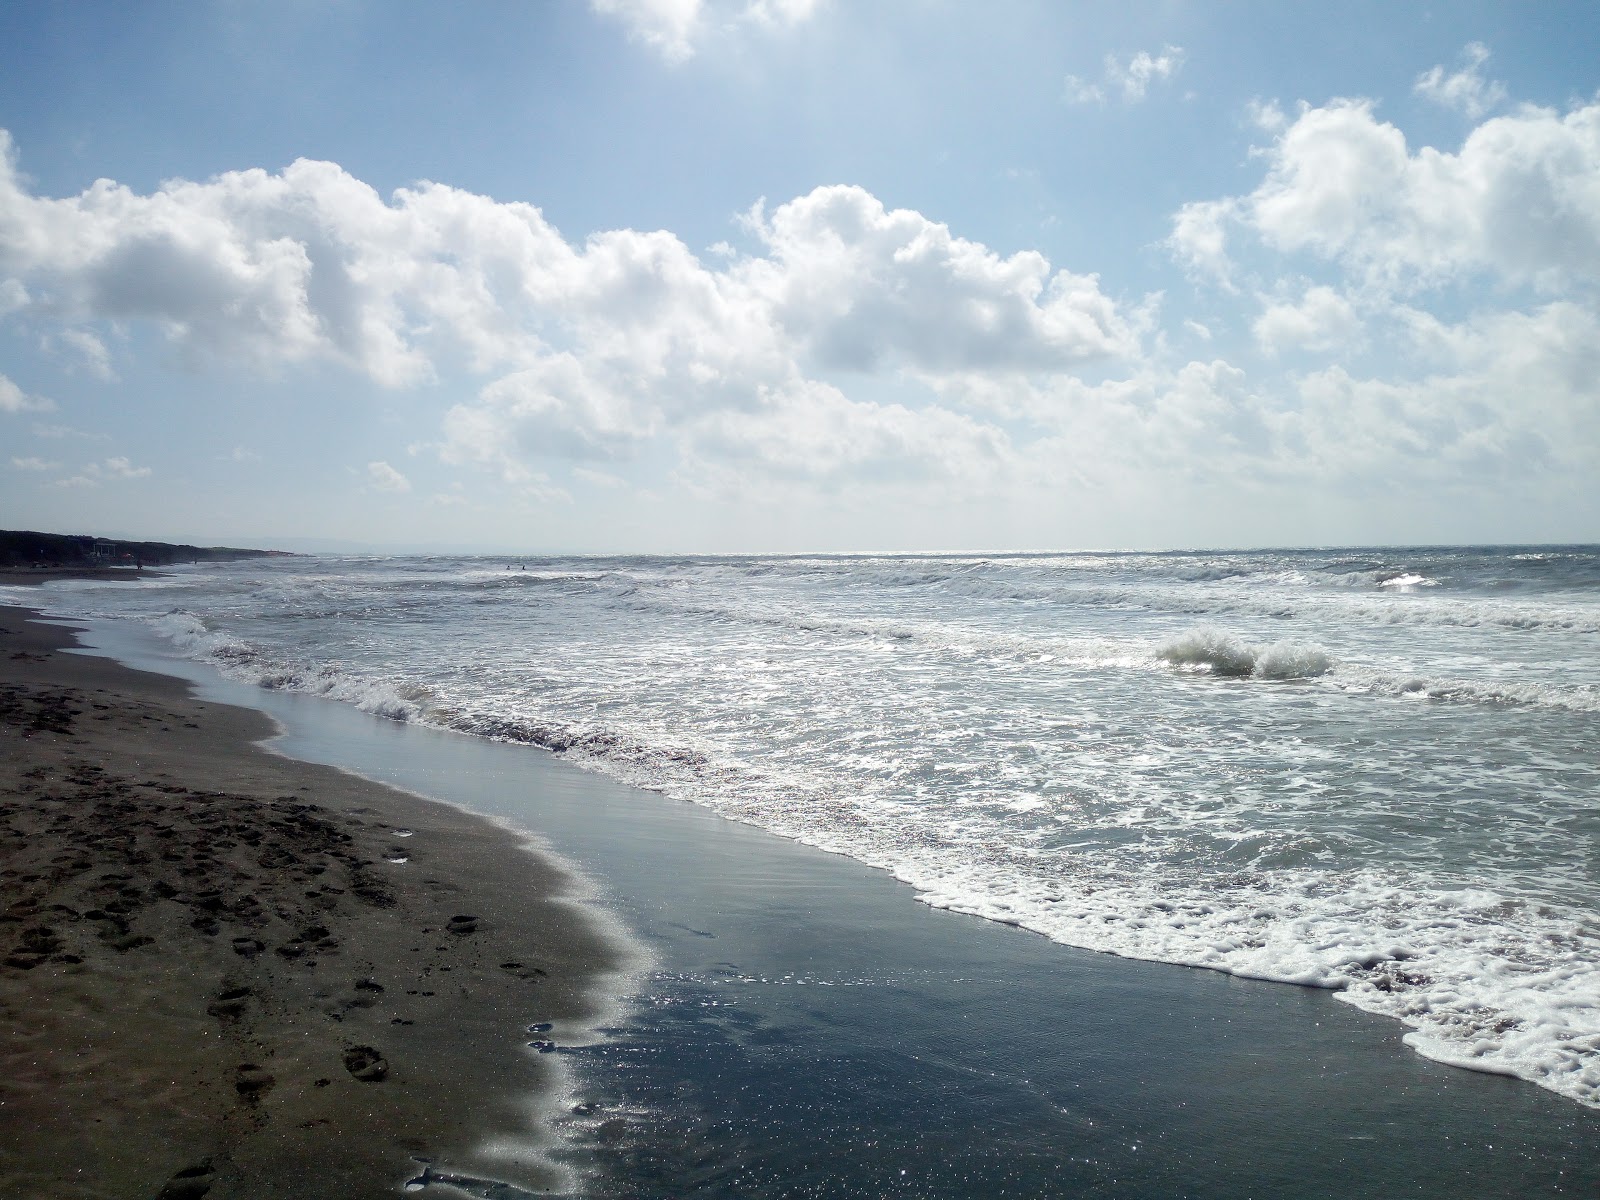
[(1465, 982), (241, 660), (1471, 974), (1219, 653)]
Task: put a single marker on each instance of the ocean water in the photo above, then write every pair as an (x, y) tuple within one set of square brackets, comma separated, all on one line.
[(1368, 771)]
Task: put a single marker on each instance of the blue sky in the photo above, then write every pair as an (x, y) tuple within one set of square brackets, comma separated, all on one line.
[(723, 275)]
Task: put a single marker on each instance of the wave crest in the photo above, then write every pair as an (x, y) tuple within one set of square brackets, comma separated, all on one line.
[(1212, 650)]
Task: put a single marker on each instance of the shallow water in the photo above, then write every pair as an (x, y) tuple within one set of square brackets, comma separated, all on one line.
[(1372, 771)]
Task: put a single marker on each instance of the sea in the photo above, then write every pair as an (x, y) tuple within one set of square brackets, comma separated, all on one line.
[(1370, 771)]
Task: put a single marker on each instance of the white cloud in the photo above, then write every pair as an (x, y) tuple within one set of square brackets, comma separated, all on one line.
[(675, 29), (121, 468), (14, 400), (63, 431), (1130, 80), (1513, 398), (1321, 319), (1200, 239), (779, 13), (667, 26), (584, 351), (1136, 76), (1077, 90), (716, 359), (816, 433), (1465, 90), (1508, 399), (110, 470), (89, 350), (34, 464), (1266, 115), (382, 477), (852, 345), (861, 287), (13, 296), (1520, 201), (553, 409)]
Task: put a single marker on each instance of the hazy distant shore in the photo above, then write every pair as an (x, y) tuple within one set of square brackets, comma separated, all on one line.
[(227, 973), (27, 554)]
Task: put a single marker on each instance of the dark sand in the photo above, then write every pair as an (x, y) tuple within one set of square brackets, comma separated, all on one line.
[(214, 981), (16, 575)]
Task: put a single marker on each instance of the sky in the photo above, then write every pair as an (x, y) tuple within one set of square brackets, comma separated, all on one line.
[(725, 276)]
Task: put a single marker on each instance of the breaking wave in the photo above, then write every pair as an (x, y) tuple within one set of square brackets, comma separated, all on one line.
[(240, 660), (1212, 650)]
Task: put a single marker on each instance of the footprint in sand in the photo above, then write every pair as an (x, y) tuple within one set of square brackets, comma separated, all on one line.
[(188, 1184), (229, 1004), (462, 924), (366, 1064), (251, 1082)]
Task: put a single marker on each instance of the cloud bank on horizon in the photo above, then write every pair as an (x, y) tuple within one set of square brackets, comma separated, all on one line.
[(1367, 323)]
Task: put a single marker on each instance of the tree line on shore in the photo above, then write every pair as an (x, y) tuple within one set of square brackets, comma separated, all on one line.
[(26, 548)]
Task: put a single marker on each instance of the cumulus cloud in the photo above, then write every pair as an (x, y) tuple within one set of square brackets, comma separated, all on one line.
[(1510, 391), (1266, 115), (554, 409), (584, 351), (1464, 90), (110, 470), (861, 287), (1321, 319), (1199, 239), (1509, 396), (1202, 415), (816, 433), (14, 400), (1128, 80), (1520, 201), (382, 477), (675, 29)]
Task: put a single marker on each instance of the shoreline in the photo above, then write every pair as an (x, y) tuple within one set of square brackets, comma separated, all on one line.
[(795, 1000), (25, 576), (226, 972)]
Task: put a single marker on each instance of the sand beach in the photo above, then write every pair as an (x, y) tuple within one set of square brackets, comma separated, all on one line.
[(226, 973)]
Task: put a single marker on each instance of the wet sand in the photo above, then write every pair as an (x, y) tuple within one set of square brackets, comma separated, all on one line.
[(35, 575), (227, 973)]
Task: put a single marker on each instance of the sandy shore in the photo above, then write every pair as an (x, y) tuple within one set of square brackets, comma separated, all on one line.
[(227, 973)]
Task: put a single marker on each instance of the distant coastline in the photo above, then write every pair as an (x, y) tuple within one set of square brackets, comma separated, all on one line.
[(29, 556)]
